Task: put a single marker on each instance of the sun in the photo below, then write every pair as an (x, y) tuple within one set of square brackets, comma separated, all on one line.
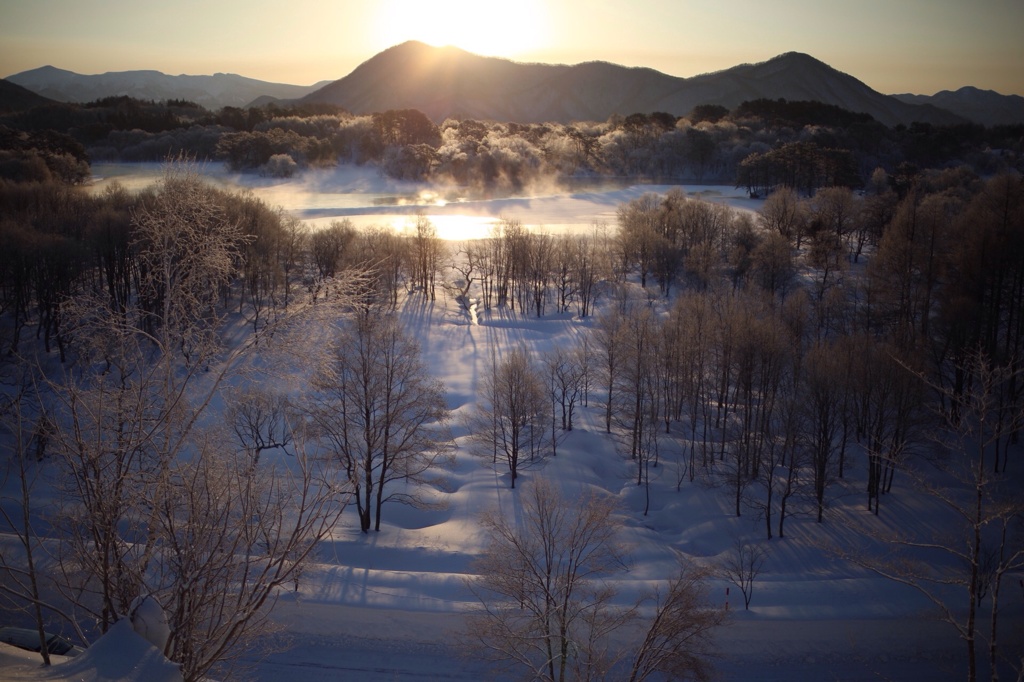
[(491, 29)]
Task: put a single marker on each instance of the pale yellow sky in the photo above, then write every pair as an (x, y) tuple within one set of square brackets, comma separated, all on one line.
[(895, 46)]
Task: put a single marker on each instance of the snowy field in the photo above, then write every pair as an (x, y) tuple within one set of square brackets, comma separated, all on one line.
[(388, 606)]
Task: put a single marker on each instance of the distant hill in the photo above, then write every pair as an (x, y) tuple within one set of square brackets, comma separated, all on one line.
[(14, 97), (797, 76), (213, 92), (986, 107), (449, 82)]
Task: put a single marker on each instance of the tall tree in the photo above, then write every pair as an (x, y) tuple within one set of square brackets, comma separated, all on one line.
[(510, 418), (984, 538), (822, 419), (785, 214), (381, 412)]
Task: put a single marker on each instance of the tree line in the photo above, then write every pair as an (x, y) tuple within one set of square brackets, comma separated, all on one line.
[(111, 402), (761, 144), (784, 368)]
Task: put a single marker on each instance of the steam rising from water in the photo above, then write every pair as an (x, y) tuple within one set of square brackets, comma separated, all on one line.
[(367, 198)]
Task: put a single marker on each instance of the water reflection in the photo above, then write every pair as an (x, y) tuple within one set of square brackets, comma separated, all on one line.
[(362, 195)]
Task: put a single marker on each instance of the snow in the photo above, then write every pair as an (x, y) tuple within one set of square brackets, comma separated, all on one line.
[(149, 621), (121, 655), (390, 605)]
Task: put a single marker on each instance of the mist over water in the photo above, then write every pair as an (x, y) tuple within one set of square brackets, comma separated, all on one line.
[(364, 196)]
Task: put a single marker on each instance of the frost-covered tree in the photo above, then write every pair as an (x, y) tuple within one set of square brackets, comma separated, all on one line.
[(127, 410), (428, 253), (784, 214), (149, 503), (231, 535)]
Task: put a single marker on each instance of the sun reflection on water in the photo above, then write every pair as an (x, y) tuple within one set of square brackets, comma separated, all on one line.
[(364, 197), (449, 227)]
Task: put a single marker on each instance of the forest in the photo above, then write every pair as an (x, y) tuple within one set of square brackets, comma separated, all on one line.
[(760, 145), (873, 308)]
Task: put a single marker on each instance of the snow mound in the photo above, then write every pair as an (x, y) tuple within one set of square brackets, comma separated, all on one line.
[(149, 621), (121, 655)]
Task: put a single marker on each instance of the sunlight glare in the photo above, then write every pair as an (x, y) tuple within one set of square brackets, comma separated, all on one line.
[(490, 29)]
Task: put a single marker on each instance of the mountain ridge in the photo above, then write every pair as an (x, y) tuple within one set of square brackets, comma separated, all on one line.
[(14, 97), (987, 107), (448, 82), (210, 91)]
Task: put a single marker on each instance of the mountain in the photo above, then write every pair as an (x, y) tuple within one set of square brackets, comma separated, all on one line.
[(449, 82), (212, 92), (986, 107), (795, 76), (14, 97)]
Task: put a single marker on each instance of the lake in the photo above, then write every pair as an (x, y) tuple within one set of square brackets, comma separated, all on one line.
[(363, 196)]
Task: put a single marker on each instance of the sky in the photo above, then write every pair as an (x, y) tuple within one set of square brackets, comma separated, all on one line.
[(895, 46)]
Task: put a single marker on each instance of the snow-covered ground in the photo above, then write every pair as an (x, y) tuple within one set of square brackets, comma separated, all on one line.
[(389, 605)]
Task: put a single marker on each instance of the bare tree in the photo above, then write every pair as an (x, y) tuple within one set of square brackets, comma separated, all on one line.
[(566, 374), (694, 342), (142, 507), (904, 275), (836, 209), (259, 421), (383, 415), (23, 444), (125, 412), (822, 416), (428, 252), (504, 255), (466, 263), (784, 214), (329, 247), (383, 255), (539, 266), (826, 256), (510, 413), (587, 270), (678, 641), (563, 270), (547, 605), (231, 535), (985, 510), (640, 402), (638, 233), (743, 565), (608, 339), (188, 251), (544, 603), (891, 406), (783, 457), (292, 252), (773, 264)]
